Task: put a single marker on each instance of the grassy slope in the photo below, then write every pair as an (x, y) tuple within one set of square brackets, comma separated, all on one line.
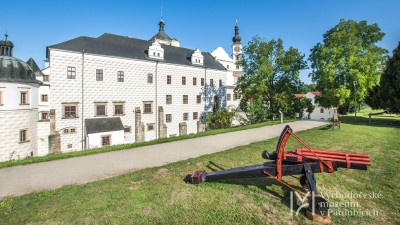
[(30, 160), (159, 195)]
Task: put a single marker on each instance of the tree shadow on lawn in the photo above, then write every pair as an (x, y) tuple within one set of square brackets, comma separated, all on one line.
[(263, 183), (387, 121)]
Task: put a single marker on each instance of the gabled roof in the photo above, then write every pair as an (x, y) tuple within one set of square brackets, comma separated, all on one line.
[(34, 67), (121, 46), (98, 125), (220, 54)]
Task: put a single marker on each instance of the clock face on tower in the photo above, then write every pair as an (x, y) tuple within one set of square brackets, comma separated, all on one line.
[(237, 48)]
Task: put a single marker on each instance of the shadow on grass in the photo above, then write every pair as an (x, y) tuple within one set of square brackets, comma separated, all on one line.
[(263, 183), (381, 121)]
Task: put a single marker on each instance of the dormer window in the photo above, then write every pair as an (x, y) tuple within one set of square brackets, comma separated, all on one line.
[(156, 51), (197, 57)]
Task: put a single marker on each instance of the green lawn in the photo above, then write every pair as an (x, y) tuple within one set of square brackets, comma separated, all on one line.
[(160, 196), (30, 160)]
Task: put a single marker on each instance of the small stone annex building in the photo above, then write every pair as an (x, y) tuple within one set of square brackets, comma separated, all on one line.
[(23, 132)]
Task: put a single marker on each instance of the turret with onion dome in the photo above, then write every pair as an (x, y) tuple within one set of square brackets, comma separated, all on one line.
[(13, 69), (237, 39), (163, 37)]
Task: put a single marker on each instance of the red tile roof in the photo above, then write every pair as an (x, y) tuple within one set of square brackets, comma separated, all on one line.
[(316, 93), (298, 95)]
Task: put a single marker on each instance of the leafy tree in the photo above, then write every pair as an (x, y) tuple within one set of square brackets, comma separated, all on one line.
[(303, 104), (387, 94), (271, 77), (219, 119), (348, 53), (305, 88)]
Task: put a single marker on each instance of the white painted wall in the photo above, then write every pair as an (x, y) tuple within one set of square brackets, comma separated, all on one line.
[(133, 91), (94, 140), (317, 114), (12, 94), (11, 121)]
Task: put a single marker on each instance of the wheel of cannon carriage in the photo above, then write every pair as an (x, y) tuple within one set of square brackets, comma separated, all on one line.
[(321, 210)]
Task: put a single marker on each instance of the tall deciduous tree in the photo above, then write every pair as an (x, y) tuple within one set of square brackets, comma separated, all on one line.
[(387, 94), (348, 53), (271, 77)]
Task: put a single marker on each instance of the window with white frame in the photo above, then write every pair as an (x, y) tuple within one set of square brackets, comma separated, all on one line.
[(168, 118), (100, 109), (23, 135), (99, 75), (70, 110), (44, 116), (183, 80), (71, 72), (198, 99), (119, 109), (168, 99), (148, 107), (44, 98), (195, 115), (194, 81), (24, 98), (120, 76), (150, 78), (185, 99), (150, 126), (185, 116)]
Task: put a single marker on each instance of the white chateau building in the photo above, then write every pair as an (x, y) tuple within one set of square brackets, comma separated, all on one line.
[(234, 71), (110, 90), (23, 132)]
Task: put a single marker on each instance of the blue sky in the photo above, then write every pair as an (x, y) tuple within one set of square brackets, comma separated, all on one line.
[(33, 25)]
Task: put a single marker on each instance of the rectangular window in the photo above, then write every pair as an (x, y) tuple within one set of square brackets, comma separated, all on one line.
[(169, 79), (23, 135), (168, 118), (45, 98), (195, 115), (150, 126), (202, 81), (71, 72), (228, 97), (148, 107), (211, 82), (198, 99), (69, 130), (70, 111), (168, 99), (220, 83), (24, 98), (44, 116), (120, 76), (185, 116), (118, 109), (237, 67), (185, 99), (106, 140), (149, 78), (101, 109), (99, 75), (183, 80), (322, 110), (194, 81), (46, 78), (235, 96)]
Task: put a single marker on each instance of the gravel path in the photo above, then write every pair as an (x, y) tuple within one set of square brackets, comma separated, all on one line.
[(20, 180)]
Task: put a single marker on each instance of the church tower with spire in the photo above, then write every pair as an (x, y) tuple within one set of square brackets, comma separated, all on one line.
[(163, 37), (237, 49)]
